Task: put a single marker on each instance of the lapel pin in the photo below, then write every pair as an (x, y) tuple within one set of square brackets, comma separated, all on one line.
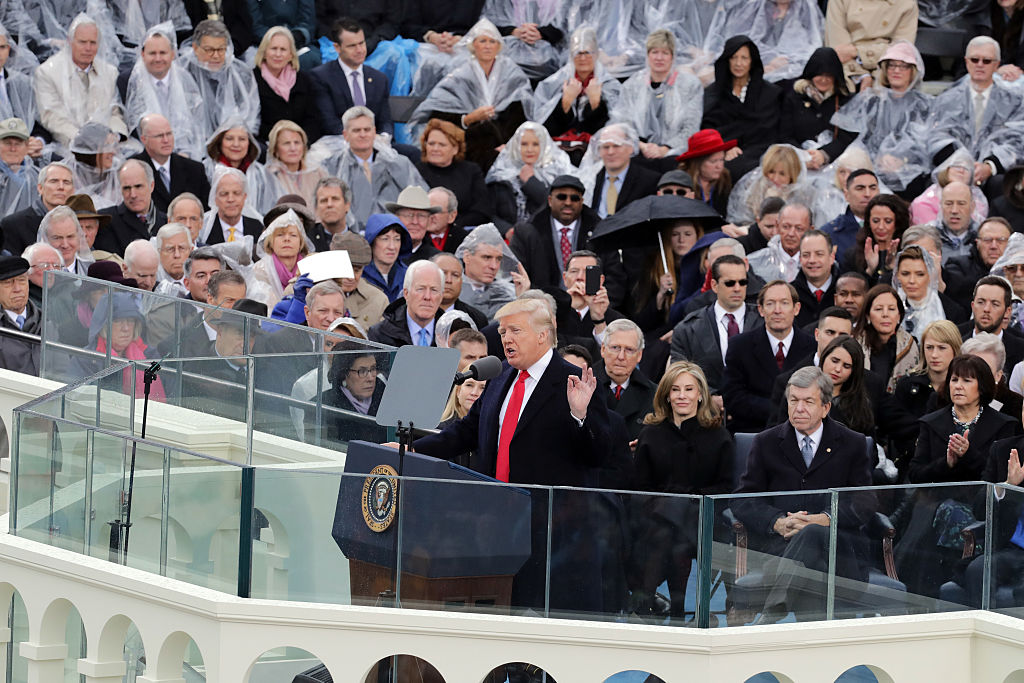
[(369, 80), (828, 450)]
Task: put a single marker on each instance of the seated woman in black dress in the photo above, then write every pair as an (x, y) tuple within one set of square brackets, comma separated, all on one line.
[(286, 93), (889, 350), (683, 449), (356, 387), (877, 243), (741, 105), (843, 361), (443, 164)]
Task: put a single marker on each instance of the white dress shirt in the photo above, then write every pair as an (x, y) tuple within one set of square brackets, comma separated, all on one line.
[(535, 371), (815, 438), (348, 78), (723, 325), (773, 342), (556, 235), (602, 203)]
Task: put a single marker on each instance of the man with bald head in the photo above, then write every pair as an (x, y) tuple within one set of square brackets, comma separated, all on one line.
[(173, 173), (955, 224), (141, 261), (136, 217)]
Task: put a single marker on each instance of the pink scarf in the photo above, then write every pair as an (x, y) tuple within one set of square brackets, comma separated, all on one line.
[(135, 351), (282, 84), (283, 274)]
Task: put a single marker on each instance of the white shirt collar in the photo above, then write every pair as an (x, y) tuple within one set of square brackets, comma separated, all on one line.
[(737, 314), (773, 342), (537, 369), (225, 224), (349, 70), (815, 437)]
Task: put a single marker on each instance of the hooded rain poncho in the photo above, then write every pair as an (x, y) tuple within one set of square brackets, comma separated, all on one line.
[(621, 31), (921, 313), (229, 93), (667, 115), (753, 188), (100, 184), (540, 59), (551, 163), (262, 188)]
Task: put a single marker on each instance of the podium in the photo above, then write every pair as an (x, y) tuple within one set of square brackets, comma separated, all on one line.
[(460, 546)]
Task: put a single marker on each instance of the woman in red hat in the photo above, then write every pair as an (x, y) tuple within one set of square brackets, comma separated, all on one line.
[(704, 160)]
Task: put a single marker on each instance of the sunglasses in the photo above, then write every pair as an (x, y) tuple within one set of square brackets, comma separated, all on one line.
[(733, 283), (681, 191), (980, 60), (565, 197)]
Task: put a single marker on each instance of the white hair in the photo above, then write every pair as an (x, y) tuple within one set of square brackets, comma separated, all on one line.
[(33, 249), (979, 41), (135, 248), (171, 230), (415, 268)]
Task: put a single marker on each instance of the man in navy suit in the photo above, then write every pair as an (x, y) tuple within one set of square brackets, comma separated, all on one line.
[(754, 359), (808, 452), (347, 82), (536, 424)]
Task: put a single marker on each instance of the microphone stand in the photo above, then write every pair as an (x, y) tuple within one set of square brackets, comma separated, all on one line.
[(119, 550)]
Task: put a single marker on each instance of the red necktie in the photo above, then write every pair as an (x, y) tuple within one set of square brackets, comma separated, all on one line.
[(780, 356), (731, 328), (818, 294), (566, 246), (438, 240), (508, 425), (618, 392)]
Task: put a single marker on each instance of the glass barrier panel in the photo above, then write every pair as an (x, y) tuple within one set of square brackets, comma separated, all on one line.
[(769, 554), (146, 509), (118, 388), (108, 487), (1006, 555), (303, 522), (201, 531), (68, 312), (33, 476), (471, 545)]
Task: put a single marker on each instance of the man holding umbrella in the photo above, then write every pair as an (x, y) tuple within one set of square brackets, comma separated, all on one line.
[(543, 244)]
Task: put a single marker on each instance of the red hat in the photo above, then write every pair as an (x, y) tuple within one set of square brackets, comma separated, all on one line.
[(703, 143)]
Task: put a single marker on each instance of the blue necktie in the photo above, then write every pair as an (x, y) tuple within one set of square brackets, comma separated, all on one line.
[(20, 322), (424, 338), (807, 450)]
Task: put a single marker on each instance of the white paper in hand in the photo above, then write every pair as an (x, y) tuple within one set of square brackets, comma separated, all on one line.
[(326, 265)]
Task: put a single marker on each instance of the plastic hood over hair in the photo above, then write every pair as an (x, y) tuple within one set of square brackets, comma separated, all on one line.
[(666, 116), (922, 313), (444, 324), (785, 43), (551, 163), (621, 31), (84, 252), (219, 173), (753, 188), (484, 27), (466, 88), (488, 235), (182, 104), (549, 91), (229, 93), (19, 31), (287, 218), (391, 173), (1013, 256), (772, 262), (905, 52), (94, 138), (1002, 125), (590, 164), (541, 58), (262, 188)]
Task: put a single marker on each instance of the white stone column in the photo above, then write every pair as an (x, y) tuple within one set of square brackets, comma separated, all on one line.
[(102, 672), (45, 662)]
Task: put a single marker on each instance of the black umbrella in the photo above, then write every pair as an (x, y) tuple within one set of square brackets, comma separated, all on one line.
[(640, 223)]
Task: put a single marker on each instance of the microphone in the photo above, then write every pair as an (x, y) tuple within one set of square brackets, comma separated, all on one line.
[(482, 369)]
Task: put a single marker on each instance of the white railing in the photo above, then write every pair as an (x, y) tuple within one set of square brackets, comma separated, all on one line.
[(232, 633)]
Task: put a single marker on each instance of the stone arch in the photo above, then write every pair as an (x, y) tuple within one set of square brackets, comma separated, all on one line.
[(859, 674), (633, 676), (110, 646), (271, 550), (172, 654), (302, 658), (1015, 677), (411, 669), (54, 621), (498, 673), (769, 677)]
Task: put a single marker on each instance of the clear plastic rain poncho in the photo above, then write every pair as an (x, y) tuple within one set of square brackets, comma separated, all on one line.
[(262, 187), (443, 326), (892, 126), (540, 59), (466, 87), (668, 115), (921, 313), (84, 252), (590, 164), (926, 207), (181, 103), (621, 31), (1001, 131), (942, 12), (785, 42), (288, 218), (684, 21), (133, 17), (1013, 256), (20, 32), (549, 91), (753, 188), (219, 173), (62, 99), (551, 163), (20, 100), (96, 175), (228, 94), (490, 297), (773, 263), (18, 186), (390, 173), (51, 17)]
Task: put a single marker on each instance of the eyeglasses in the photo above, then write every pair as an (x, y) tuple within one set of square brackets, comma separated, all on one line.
[(46, 266), (175, 249), (1013, 268), (733, 283), (363, 372), (898, 66), (566, 197), (991, 240), (211, 51), (615, 350), (980, 60), (681, 191)]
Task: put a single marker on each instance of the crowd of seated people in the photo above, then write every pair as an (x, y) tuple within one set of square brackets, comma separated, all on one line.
[(845, 253)]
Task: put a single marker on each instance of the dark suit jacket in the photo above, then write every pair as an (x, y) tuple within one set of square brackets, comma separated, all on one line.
[(19, 229), (929, 462), (534, 246), (810, 308), (250, 226), (775, 464), (636, 402), (333, 97), (124, 227), (960, 273), (1013, 344), (186, 176), (549, 447), (750, 372), (1008, 510), (639, 182), (696, 339)]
